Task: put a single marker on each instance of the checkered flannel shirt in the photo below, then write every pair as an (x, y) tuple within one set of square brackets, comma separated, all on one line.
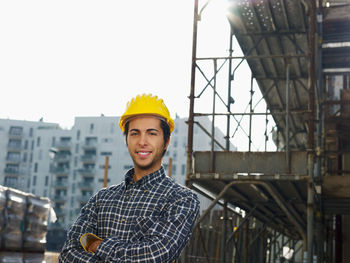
[(150, 220)]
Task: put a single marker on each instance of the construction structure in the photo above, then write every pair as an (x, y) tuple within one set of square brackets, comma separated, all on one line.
[(298, 196)]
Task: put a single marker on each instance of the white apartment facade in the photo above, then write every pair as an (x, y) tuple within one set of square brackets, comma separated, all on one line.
[(68, 166)]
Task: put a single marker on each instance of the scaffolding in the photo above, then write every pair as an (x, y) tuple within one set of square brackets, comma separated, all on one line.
[(298, 196)]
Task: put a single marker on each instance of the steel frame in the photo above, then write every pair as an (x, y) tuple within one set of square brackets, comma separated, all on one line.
[(305, 232)]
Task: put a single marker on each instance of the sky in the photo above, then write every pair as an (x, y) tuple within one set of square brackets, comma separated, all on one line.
[(68, 58)]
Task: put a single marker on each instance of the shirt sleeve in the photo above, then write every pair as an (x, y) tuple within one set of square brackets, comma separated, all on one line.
[(72, 250), (162, 238)]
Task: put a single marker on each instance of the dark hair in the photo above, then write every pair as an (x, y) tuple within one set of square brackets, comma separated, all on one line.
[(165, 127)]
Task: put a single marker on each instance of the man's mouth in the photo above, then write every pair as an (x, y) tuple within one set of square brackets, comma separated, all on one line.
[(143, 153)]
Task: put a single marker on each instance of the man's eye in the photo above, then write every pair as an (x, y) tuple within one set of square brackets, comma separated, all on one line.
[(153, 133), (133, 133)]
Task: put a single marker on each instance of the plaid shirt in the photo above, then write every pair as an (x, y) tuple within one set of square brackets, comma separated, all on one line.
[(150, 220)]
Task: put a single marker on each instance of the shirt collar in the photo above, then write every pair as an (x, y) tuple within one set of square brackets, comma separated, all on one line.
[(146, 181)]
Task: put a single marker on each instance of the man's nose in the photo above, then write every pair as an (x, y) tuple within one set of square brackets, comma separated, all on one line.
[(143, 139)]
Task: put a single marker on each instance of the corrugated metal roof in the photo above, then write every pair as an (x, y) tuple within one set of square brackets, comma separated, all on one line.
[(276, 31)]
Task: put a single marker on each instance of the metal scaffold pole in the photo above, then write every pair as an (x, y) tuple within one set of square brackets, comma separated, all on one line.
[(310, 189), (191, 110)]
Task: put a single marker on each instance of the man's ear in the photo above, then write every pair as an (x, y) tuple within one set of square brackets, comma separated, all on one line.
[(167, 144)]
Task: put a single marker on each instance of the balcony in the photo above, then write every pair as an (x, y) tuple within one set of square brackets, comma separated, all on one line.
[(84, 198), (88, 158), (88, 186), (15, 133), (60, 212), (62, 158), (59, 199), (87, 171), (13, 159), (90, 145), (59, 170), (63, 145), (62, 184), (14, 147), (12, 171)]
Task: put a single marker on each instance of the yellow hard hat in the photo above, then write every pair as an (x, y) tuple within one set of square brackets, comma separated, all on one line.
[(146, 104)]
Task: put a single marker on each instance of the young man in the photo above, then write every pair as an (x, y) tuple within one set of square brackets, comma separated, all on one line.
[(146, 218)]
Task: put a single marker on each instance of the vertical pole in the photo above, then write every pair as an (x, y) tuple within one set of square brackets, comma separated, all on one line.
[(191, 110), (287, 116), (170, 167), (338, 240), (224, 234), (245, 241), (212, 168), (310, 192), (105, 178), (229, 101), (266, 124), (251, 113)]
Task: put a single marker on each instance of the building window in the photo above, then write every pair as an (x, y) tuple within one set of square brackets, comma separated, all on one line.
[(38, 142), (53, 142), (31, 132), (31, 157), (102, 166), (91, 128), (183, 169), (25, 157), (77, 148), (25, 144), (32, 146), (78, 135), (16, 130), (35, 167), (34, 180), (46, 180)]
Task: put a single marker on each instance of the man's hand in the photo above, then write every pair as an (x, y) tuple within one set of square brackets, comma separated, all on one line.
[(93, 246)]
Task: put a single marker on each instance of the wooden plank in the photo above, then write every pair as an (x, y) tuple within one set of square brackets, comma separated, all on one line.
[(336, 187)]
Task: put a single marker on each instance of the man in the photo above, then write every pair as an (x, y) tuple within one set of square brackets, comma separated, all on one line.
[(146, 218)]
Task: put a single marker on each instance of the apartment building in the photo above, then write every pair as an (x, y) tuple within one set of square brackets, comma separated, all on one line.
[(17, 144), (68, 166)]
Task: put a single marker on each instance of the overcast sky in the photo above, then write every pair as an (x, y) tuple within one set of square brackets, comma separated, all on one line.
[(67, 58)]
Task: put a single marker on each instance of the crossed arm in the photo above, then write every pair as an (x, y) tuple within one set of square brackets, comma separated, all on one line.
[(158, 240)]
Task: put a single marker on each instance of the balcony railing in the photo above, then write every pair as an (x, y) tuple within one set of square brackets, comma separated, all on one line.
[(86, 171), (63, 145), (14, 147), (11, 171), (84, 198), (62, 158), (60, 212), (90, 144), (15, 133), (86, 185), (59, 170), (88, 158), (60, 184), (59, 198), (13, 159)]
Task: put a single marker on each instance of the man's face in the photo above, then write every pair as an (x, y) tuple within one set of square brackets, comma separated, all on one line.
[(146, 144)]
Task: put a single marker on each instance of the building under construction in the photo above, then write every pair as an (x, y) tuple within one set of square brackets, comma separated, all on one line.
[(296, 198)]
